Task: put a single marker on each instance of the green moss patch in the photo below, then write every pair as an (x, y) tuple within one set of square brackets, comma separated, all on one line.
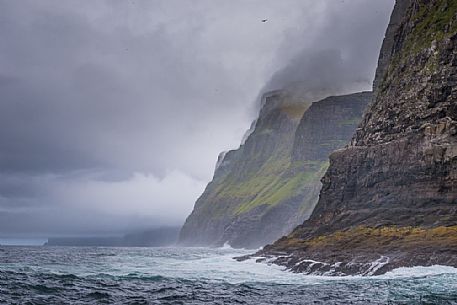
[(435, 20), (275, 182), (285, 186)]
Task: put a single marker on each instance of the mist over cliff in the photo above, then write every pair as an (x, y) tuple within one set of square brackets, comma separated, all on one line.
[(113, 112), (331, 58), (269, 185)]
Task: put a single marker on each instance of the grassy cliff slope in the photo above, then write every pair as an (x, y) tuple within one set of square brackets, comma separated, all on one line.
[(261, 191)]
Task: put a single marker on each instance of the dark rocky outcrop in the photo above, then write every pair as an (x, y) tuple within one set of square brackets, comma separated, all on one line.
[(390, 198), (269, 185)]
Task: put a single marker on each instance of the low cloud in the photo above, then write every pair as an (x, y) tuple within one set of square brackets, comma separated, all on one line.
[(339, 50), (112, 113), (91, 203)]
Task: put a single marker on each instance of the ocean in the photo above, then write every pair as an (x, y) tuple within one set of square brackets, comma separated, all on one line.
[(67, 275)]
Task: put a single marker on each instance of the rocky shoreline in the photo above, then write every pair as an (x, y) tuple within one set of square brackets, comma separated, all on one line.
[(363, 251)]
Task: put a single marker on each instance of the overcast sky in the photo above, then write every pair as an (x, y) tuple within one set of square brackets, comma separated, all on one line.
[(113, 113)]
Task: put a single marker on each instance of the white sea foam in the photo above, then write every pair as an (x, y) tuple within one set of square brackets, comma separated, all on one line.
[(227, 246), (282, 275), (377, 264), (419, 271), (215, 266), (215, 275)]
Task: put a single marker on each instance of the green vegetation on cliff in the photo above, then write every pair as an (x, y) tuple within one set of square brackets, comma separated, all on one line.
[(271, 183), (430, 23), (285, 185), (434, 21)]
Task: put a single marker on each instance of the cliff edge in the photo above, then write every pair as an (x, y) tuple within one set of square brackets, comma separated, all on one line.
[(390, 198)]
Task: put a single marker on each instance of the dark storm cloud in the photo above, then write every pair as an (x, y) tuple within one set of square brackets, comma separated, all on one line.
[(112, 113)]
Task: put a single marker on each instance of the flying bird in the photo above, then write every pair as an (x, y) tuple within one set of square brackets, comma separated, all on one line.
[(264, 20)]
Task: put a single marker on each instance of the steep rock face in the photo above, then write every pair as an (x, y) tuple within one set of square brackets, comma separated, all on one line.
[(328, 125), (268, 186), (391, 196), (389, 41)]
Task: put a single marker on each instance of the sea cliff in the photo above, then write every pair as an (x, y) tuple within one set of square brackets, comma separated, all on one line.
[(269, 185), (390, 198)]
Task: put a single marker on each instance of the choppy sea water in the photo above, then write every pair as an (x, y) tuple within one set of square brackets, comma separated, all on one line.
[(66, 275)]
